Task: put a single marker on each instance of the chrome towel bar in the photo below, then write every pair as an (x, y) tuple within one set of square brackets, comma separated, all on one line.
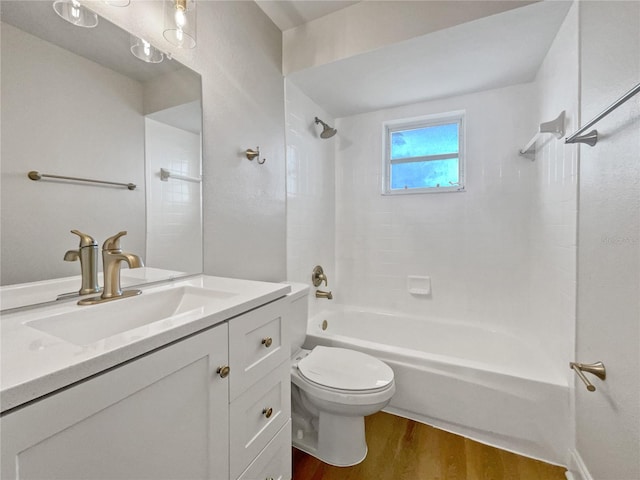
[(34, 175), (591, 138)]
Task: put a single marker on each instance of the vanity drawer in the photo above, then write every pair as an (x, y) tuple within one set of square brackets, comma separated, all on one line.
[(257, 415), (258, 342), (275, 460)]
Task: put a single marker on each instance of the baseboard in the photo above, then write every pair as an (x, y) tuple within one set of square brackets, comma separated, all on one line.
[(577, 468)]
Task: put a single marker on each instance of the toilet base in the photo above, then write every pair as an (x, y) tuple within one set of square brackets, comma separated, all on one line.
[(339, 441)]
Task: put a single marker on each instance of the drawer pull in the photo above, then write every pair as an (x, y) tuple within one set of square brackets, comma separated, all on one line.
[(223, 371), (267, 341), (267, 412)]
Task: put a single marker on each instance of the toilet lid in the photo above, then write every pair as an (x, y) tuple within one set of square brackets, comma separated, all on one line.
[(345, 369)]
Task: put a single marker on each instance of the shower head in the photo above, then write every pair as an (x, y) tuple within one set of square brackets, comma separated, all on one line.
[(327, 131)]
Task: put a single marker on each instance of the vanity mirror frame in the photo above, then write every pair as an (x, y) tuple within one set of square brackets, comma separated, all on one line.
[(37, 216)]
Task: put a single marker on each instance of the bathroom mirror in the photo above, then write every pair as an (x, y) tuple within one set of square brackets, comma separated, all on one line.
[(77, 103)]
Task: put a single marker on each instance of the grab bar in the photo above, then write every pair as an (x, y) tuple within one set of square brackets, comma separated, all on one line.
[(34, 175), (591, 138), (596, 369)]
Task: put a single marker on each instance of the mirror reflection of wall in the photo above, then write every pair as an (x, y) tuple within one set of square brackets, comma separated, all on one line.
[(97, 114)]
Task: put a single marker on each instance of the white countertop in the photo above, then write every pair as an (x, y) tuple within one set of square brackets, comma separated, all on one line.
[(35, 363), (33, 293)]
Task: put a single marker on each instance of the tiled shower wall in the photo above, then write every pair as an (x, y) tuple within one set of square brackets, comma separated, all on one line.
[(474, 245), (554, 202), (310, 191)]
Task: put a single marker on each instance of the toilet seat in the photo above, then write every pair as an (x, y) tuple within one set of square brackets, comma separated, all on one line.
[(344, 370)]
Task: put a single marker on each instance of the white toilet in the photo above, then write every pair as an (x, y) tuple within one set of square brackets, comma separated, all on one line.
[(332, 390)]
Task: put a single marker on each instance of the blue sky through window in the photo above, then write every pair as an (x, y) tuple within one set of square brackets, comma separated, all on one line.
[(429, 174), (419, 142), (416, 157)]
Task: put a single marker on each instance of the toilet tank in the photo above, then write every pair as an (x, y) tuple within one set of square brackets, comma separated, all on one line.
[(298, 311)]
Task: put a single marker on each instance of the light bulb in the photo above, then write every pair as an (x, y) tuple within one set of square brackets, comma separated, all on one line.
[(180, 23), (146, 46), (75, 10), (181, 18)]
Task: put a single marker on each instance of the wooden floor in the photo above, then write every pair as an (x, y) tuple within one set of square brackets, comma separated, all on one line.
[(400, 449)]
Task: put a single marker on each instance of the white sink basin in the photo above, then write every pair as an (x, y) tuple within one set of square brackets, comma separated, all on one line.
[(88, 324)]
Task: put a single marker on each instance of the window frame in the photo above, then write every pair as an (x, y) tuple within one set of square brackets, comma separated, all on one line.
[(415, 123)]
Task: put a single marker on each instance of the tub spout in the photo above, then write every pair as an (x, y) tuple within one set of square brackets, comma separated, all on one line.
[(322, 294)]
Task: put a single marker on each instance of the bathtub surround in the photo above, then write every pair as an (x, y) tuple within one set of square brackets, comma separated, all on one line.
[(310, 192), (553, 209)]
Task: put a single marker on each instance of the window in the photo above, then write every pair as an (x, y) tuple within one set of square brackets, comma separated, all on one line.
[(424, 154)]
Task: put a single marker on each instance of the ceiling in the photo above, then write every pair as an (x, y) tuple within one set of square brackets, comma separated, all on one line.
[(106, 44), (492, 52), (288, 14)]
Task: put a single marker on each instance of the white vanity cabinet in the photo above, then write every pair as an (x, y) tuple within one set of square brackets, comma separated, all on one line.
[(161, 416), (259, 391), (167, 414)]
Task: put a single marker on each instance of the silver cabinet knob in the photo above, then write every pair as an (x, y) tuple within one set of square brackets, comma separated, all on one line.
[(267, 341)]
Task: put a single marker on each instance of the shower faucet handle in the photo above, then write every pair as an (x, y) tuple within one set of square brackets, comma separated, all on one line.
[(318, 276)]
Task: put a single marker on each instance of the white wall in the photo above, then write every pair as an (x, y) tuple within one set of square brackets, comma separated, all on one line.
[(174, 216), (553, 217), (310, 193), (474, 245), (239, 55), (32, 141), (608, 324)]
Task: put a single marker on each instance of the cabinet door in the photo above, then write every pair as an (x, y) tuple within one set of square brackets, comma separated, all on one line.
[(161, 416)]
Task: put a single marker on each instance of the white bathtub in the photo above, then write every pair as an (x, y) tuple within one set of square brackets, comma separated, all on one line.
[(482, 384)]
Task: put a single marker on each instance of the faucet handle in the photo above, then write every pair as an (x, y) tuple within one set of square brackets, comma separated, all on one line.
[(113, 243), (72, 255), (85, 240), (318, 276)]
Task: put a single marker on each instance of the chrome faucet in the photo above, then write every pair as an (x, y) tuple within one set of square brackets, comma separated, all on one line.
[(112, 255), (87, 253)]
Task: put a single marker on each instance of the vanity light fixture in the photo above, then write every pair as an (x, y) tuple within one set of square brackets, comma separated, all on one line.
[(145, 51), (75, 13), (180, 23)]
